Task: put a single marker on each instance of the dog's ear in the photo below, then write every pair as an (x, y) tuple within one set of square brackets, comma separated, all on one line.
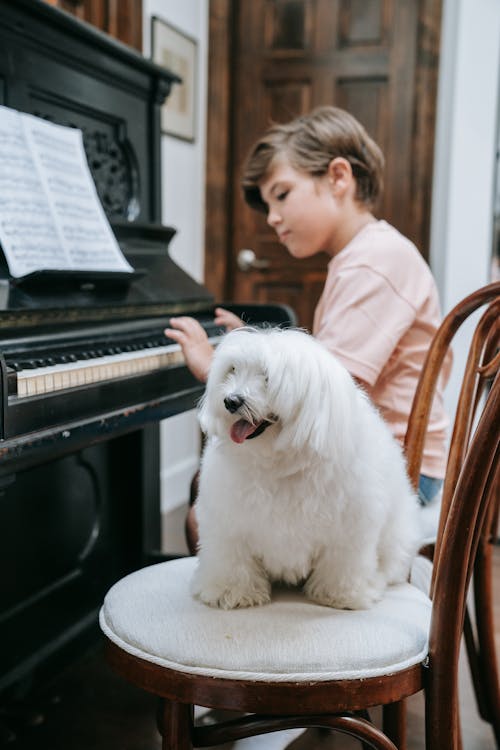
[(207, 414), (205, 419), (316, 397), (209, 405)]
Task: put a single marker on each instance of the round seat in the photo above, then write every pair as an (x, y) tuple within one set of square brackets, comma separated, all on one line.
[(152, 615)]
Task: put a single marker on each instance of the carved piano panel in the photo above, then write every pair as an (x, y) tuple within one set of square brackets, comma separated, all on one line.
[(68, 75)]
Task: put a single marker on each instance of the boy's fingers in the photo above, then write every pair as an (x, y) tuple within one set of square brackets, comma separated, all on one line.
[(180, 323), (174, 335), (190, 326)]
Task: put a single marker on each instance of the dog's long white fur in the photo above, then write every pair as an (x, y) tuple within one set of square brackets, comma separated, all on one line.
[(320, 499)]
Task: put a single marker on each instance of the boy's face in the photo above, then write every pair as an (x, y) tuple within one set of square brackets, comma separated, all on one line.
[(301, 209)]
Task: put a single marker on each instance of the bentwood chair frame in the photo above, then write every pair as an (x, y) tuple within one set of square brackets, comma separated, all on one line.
[(481, 366), (340, 704)]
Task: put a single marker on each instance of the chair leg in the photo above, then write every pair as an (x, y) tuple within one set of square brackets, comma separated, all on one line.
[(442, 722), (394, 723), (483, 595), (472, 651), (174, 724)]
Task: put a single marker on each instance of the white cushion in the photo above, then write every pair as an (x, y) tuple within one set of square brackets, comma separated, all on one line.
[(151, 614), (421, 573)]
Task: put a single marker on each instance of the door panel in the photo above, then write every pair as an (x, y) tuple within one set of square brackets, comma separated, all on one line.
[(122, 20)]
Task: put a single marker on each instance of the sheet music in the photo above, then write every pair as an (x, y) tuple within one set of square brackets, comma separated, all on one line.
[(50, 214)]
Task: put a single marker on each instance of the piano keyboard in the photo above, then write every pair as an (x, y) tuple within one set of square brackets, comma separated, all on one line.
[(40, 376)]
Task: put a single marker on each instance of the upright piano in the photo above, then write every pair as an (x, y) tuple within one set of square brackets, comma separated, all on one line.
[(86, 373)]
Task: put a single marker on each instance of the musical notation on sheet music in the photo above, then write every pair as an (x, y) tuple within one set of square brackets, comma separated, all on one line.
[(50, 215)]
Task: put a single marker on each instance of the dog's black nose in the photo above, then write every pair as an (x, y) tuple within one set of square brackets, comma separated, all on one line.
[(233, 402)]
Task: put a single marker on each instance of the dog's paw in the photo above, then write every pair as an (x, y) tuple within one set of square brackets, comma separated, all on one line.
[(355, 597), (230, 595)]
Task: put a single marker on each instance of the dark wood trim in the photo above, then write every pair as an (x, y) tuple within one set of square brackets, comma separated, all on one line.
[(218, 164), (426, 86), (264, 697)]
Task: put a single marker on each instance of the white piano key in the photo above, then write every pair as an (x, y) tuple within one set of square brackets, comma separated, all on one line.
[(49, 382)]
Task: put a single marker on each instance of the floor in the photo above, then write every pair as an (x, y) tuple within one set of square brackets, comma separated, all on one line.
[(88, 708)]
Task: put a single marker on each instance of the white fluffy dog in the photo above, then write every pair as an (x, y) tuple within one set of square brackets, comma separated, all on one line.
[(301, 480)]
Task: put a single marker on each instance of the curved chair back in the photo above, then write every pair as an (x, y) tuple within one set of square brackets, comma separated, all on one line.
[(469, 508), (469, 511), (422, 402), (482, 363)]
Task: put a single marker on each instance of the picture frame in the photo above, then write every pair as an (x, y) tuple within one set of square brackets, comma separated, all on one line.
[(175, 50)]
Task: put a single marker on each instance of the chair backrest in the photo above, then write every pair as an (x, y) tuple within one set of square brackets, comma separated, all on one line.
[(481, 366), (470, 491), (475, 494), (470, 507), (473, 381)]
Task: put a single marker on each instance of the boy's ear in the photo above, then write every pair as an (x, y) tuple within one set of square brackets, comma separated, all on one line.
[(340, 174)]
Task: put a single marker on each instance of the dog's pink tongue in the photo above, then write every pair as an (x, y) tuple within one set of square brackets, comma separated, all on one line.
[(241, 430)]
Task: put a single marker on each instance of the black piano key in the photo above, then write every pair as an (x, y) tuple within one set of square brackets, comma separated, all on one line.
[(11, 381)]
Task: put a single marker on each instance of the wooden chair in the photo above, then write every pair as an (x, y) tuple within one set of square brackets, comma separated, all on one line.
[(481, 366), (296, 664)]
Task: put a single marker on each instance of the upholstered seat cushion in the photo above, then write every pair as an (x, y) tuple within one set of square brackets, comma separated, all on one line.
[(151, 614)]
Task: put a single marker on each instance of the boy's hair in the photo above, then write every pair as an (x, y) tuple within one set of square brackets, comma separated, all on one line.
[(309, 143)]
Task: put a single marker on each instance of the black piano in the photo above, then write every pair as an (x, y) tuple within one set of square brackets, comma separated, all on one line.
[(86, 373)]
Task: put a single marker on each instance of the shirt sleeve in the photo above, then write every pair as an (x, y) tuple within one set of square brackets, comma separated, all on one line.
[(361, 321)]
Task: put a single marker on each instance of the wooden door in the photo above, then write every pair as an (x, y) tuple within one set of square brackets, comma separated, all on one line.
[(376, 58)]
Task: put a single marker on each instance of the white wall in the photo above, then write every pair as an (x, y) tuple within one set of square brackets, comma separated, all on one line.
[(464, 170), (183, 163), (183, 190)]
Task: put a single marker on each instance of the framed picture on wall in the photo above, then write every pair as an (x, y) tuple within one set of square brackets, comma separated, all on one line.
[(176, 51)]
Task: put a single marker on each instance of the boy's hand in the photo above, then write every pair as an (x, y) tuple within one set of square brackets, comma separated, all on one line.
[(227, 319), (197, 350)]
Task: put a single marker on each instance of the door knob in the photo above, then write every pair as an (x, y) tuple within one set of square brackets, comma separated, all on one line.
[(248, 261)]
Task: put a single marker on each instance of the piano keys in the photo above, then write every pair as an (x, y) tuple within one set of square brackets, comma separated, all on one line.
[(91, 357)]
